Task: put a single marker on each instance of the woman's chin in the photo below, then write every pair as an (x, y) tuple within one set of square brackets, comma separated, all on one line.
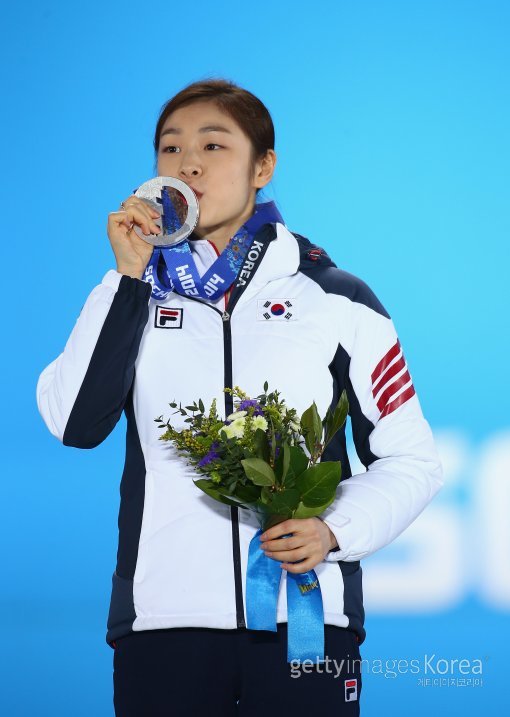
[(205, 226)]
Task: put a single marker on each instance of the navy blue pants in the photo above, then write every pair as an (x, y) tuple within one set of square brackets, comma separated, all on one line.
[(232, 673)]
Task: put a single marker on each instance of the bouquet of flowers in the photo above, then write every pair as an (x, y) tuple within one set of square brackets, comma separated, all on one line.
[(256, 458), (265, 458)]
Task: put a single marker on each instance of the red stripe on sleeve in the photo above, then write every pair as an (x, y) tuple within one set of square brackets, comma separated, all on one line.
[(392, 390), (404, 396), (390, 373), (385, 361)]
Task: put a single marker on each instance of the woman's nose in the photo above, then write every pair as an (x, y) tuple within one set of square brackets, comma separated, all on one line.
[(190, 171), (190, 167)]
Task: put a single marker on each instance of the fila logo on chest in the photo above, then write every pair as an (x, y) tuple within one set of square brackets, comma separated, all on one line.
[(276, 310), (168, 318)]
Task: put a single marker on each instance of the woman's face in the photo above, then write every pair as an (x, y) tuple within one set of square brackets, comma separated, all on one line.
[(208, 150)]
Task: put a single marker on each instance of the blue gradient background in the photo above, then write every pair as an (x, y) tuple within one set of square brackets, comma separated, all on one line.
[(393, 153)]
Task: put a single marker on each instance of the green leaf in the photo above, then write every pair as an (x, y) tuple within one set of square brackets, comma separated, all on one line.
[(312, 427), (266, 518), (318, 484), (248, 493), (211, 489), (335, 419), (260, 445), (290, 480), (201, 405), (273, 438), (286, 459), (303, 511), (281, 465), (298, 463), (266, 495), (258, 471), (285, 502)]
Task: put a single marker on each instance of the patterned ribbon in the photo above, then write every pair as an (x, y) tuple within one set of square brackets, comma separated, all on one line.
[(305, 614), (181, 273)]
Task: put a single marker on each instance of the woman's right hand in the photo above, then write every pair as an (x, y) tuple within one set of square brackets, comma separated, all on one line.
[(131, 252)]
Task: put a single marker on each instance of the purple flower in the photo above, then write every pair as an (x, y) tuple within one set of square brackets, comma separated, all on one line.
[(209, 457), (243, 406)]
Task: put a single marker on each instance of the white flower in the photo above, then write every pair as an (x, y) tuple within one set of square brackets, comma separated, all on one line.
[(295, 426), (235, 429), (236, 414), (259, 422)]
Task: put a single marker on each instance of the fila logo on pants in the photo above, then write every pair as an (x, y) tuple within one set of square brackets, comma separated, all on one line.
[(351, 690), (166, 318)]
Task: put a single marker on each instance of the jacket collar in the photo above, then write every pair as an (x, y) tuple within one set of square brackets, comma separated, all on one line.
[(280, 259)]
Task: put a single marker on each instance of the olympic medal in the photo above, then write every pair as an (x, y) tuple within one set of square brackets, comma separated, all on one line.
[(177, 205)]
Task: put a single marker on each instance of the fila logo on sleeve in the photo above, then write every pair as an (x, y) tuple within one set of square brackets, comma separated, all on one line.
[(351, 690), (276, 310), (167, 318), (389, 378)]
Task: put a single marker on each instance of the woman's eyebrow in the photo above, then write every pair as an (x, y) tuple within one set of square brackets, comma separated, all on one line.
[(209, 128)]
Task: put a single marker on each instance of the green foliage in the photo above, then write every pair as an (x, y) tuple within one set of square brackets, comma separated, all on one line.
[(318, 483), (266, 459), (258, 471)]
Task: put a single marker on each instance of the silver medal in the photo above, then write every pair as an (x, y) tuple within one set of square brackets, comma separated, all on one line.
[(177, 205)]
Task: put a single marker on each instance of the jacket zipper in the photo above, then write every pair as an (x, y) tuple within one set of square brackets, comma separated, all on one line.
[(229, 407), (229, 403), (234, 511)]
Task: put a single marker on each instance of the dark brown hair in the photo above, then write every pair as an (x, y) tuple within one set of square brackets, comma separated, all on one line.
[(248, 111)]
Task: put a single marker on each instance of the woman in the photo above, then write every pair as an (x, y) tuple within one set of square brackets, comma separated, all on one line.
[(177, 613)]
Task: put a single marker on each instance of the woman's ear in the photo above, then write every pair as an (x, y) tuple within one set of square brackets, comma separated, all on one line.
[(264, 169)]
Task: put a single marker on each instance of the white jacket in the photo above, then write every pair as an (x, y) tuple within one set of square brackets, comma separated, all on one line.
[(182, 557)]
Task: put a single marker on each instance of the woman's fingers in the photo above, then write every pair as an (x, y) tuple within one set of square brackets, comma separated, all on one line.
[(130, 217), (130, 249), (296, 541), (290, 555), (303, 567), (144, 205), (139, 214), (120, 218)]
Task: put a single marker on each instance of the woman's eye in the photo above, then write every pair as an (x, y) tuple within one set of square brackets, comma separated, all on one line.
[(172, 149)]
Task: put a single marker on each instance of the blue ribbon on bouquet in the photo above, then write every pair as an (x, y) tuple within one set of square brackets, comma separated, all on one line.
[(305, 614)]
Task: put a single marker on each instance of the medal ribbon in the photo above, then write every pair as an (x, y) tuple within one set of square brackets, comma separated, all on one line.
[(181, 273)]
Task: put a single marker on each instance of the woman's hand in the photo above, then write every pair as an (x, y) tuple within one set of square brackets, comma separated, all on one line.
[(131, 252), (312, 540)]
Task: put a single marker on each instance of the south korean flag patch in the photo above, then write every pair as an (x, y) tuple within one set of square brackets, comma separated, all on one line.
[(276, 310)]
